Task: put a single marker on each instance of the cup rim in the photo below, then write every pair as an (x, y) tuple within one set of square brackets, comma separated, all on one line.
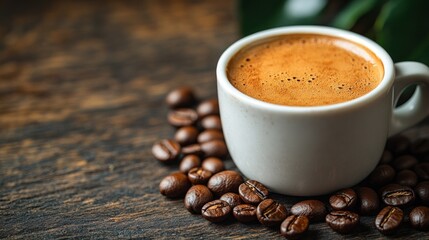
[(383, 87)]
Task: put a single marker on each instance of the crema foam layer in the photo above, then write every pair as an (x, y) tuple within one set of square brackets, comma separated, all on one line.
[(305, 70)]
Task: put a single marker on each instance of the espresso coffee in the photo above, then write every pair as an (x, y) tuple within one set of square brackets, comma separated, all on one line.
[(305, 70)]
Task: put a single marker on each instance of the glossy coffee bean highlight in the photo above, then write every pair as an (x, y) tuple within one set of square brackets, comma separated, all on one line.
[(208, 107), (209, 135), (389, 219), (180, 97), (174, 185), (244, 213), (186, 135), (397, 195), (189, 162), (315, 210), (342, 221), (271, 213), (166, 150), (196, 197), (252, 192), (182, 117), (213, 165), (211, 122), (422, 192), (216, 211), (224, 182), (345, 199), (294, 226), (419, 218), (233, 199), (199, 176), (369, 203)]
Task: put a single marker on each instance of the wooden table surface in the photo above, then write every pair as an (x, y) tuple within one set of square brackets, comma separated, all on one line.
[(82, 87)]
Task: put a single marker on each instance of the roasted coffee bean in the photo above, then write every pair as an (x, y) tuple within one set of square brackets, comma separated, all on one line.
[(397, 195), (404, 162), (422, 192), (174, 185), (419, 218), (389, 219), (406, 178), (224, 182), (186, 135), (213, 165), (369, 203), (209, 135), (315, 210), (211, 122), (180, 97), (252, 192), (271, 213), (182, 117), (214, 148), (216, 211), (387, 157), (398, 144), (189, 162), (196, 197), (166, 150), (199, 176), (381, 175), (422, 171), (233, 199), (194, 149), (294, 226), (342, 221), (345, 199), (244, 213), (420, 148), (208, 107)]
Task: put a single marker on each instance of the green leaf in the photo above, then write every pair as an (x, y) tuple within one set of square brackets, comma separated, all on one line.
[(402, 28), (355, 10)]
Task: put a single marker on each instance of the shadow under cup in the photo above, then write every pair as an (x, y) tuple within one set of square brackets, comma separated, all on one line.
[(308, 150)]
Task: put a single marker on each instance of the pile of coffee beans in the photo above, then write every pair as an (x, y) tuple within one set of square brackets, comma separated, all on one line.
[(396, 191)]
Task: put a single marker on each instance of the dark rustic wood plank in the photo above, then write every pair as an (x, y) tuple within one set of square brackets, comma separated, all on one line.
[(82, 85)]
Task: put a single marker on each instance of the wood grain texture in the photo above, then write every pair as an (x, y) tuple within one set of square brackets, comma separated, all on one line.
[(82, 86)]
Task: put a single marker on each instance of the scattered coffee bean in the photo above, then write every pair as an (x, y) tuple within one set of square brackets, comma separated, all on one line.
[(252, 192), (182, 117), (244, 213), (209, 135), (271, 213), (211, 122), (369, 202), (387, 157), (422, 171), (213, 165), (422, 192), (214, 148), (406, 178), (397, 195), (174, 185), (419, 218), (208, 107), (404, 162), (382, 175), (389, 219), (216, 211), (166, 150), (294, 226), (342, 221), (224, 182), (180, 97), (233, 199), (196, 197), (186, 135), (345, 199), (398, 144), (199, 176), (194, 149), (315, 210), (189, 162), (420, 147)]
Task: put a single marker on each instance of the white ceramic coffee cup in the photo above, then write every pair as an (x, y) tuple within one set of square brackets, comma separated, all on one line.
[(315, 150)]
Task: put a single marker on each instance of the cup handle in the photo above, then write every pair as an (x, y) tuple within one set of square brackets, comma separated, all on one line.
[(417, 107)]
